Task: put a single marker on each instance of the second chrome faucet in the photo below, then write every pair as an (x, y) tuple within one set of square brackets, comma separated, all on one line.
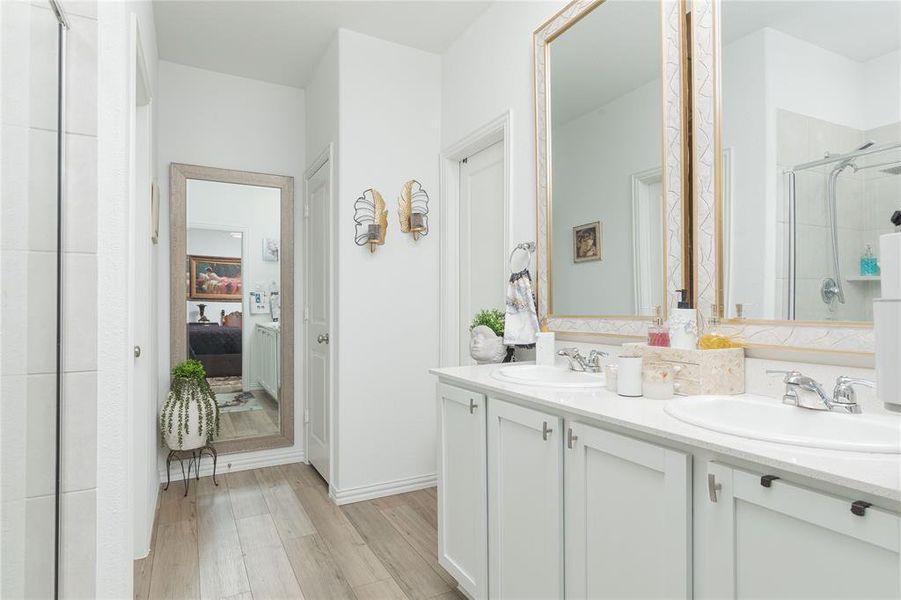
[(806, 392)]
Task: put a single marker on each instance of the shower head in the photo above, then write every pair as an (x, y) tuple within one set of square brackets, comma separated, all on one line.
[(850, 160)]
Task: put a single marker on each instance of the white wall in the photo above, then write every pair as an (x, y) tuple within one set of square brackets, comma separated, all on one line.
[(211, 119), (322, 106), (595, 156), (389, 110), (487, 71)]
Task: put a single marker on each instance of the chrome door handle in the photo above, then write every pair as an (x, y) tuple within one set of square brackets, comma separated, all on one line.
[(545, 430), (571, 439), (713, 487), (322, 338), (472, 406), (137, 351)]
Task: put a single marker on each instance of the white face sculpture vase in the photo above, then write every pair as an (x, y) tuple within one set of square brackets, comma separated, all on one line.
[(485, 346)]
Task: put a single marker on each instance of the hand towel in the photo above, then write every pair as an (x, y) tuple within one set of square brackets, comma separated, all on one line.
[(521, 318)]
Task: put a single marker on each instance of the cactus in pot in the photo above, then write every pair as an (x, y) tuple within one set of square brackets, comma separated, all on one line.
[(189, 418)]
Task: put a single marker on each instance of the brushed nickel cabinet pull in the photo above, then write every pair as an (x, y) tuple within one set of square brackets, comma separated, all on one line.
[(472, 406), (545, 430), (571, 439), (712, 486)]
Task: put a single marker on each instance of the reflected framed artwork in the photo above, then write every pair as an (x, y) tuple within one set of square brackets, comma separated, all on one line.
[(587, 242), (215, 278)]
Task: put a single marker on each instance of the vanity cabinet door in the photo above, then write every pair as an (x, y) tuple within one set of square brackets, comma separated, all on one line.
[(786, 541), (462, 488), (628, 517), (525, 502)]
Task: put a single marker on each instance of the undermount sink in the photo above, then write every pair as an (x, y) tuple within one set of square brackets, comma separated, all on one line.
[(543, 376), (767, 420)]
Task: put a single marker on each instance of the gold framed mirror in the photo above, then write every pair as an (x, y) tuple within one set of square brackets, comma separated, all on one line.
[(612, 183), (232, 297), (794, 158)]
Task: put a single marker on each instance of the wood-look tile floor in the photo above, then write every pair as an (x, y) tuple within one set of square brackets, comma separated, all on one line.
[(274, 533)]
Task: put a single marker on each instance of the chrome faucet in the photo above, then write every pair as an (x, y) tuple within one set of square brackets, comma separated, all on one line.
[(806, 392), (578, 362)]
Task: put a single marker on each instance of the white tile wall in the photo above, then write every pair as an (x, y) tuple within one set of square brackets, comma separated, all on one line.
[(28, 225)]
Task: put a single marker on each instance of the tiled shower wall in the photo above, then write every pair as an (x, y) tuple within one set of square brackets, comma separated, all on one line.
[(28, 78), (865, 200)]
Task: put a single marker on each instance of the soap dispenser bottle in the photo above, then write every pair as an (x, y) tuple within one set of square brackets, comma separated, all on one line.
[(869, 266), (684, 324), (658, 333), (713, 338)]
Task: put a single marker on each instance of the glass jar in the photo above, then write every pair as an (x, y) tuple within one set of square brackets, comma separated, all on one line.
[(658, 380)]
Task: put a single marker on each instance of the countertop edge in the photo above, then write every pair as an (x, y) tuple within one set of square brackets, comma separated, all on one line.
[(887, 493)]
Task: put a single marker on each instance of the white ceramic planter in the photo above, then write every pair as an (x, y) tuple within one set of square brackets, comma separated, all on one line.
[(192, 438)]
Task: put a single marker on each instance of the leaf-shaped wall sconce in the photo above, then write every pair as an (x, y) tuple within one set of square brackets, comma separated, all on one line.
[(413, 209), (371, 218)]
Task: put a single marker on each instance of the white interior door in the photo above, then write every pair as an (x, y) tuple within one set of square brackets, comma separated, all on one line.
[(483, 276), (647, 241), (318, 297)]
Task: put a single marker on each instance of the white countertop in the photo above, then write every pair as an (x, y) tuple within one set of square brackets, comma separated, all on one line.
[(874, 474)]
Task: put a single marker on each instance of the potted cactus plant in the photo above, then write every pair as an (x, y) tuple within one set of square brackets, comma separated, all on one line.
[(189, 418)]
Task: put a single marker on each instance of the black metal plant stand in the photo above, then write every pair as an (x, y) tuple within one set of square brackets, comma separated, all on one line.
[(193, 457)]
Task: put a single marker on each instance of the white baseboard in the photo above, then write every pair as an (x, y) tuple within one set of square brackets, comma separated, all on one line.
[(237, 462), (379, 490)]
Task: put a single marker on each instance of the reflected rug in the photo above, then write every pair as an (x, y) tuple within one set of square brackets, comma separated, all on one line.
[(238, 401)]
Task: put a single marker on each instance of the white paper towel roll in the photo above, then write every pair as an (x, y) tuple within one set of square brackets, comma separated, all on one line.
[(890, 265), (887, 326)]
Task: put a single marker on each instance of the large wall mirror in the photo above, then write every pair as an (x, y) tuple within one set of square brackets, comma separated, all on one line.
[(608, 101), (232, 297), (807, 165)]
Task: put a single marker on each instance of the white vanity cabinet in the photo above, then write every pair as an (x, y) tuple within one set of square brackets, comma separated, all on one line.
[(265, 355), (462, 488), (787, 541), (525, 502), (628, 517)]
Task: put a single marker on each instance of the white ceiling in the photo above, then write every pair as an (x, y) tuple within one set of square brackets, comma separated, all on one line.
[(613, 50), (857, 29), (280, 41)]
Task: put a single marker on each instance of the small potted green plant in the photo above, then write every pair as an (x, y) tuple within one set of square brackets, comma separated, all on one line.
[(190, 417), (486, 342)]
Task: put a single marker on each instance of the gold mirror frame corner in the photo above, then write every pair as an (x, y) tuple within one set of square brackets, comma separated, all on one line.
[(853, 339), (675, 177), (179, 174)]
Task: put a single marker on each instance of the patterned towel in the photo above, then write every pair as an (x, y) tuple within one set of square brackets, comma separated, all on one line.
[(521, 319)]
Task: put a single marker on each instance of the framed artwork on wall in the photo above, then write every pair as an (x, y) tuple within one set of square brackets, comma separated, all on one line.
[(215, 278), (270, 249), (587, 242)]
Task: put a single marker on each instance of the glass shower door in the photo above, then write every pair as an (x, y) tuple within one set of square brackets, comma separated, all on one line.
[(31, 183)]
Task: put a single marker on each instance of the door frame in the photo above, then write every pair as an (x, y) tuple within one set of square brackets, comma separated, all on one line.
[(144, 494), (325, 159), (497, 130), (641, 181)]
